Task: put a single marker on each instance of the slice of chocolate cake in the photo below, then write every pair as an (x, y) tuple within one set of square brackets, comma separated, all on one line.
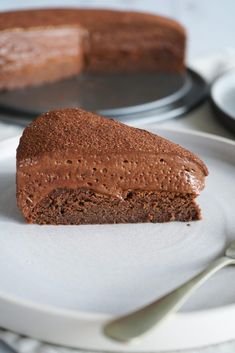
[(74, 167)]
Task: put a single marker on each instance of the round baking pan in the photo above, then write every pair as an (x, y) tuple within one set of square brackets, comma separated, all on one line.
[(222, 97), (149, 97)]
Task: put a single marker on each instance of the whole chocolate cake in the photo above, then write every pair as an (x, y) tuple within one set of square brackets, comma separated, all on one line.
[(45, 45), (74, 167)]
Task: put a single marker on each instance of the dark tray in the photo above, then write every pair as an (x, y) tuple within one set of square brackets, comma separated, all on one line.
[(127, 97)]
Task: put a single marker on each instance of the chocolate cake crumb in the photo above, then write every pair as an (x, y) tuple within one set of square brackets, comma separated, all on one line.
[(83, 206)]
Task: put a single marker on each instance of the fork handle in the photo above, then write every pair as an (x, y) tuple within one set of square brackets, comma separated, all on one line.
[(139, 322), (5, 348)]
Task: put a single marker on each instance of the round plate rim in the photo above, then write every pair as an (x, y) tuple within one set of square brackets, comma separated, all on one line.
[(151, 128), (222, 115), (220, 80), (226, 311)]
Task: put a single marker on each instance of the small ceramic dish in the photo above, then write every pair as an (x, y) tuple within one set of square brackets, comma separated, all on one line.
[(223, 99)]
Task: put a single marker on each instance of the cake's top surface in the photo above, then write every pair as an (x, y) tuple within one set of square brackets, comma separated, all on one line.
[(90, 18), (78, 130)]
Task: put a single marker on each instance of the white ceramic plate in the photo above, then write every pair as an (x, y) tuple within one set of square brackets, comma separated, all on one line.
[(223, 92), (223, 99), (61, 283)]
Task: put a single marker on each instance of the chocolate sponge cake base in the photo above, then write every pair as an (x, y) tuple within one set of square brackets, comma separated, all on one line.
[(83, 206)]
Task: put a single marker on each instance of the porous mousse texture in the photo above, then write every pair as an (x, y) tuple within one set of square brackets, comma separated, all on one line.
[(74, 167)]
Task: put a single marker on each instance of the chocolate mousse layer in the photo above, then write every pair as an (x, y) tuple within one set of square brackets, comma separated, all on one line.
[(46, 45), (71, 154)]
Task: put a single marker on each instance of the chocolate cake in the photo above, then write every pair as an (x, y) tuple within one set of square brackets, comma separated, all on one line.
[(74, 167), (45, 45)]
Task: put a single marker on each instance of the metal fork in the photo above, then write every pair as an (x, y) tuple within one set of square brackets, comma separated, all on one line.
[(137, 323), (5, 348)]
